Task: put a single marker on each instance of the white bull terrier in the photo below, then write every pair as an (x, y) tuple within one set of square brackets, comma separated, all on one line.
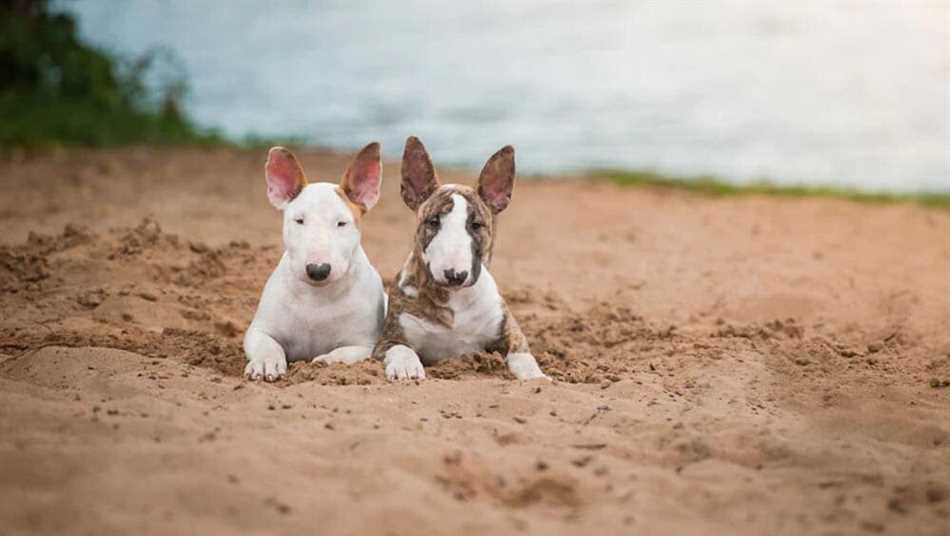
[(324, 301), (445, 303)]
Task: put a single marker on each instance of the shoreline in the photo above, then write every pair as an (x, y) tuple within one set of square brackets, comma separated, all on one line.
[(709, 185)]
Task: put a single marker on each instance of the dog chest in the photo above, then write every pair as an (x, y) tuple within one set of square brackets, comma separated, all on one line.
[(476, 325), (311, 331), (308, 322)]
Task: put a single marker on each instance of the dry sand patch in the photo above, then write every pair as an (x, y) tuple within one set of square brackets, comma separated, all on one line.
[(738, 366)]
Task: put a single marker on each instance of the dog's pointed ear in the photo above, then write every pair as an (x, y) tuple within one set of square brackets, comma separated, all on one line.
[(284, 175), (498, 179), (418, 175), (363, 178)]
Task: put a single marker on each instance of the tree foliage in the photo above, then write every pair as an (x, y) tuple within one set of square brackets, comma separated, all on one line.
[(55, 89)]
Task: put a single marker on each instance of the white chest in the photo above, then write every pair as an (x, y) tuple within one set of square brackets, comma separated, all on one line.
[(313, 329), (478, 314), (307, 323)]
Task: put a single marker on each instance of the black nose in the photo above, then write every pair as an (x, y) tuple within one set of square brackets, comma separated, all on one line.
[(455, 278), (318, 272)]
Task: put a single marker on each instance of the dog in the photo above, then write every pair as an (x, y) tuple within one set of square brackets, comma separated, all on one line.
[(444, 302), (324, 300)]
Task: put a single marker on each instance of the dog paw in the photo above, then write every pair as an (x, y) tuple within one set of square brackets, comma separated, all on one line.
[(347, 355), (402, 363), (524, 367), (269, 369)]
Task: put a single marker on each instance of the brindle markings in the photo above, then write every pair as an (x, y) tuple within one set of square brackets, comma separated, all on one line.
[(414, 291), (510, 337)]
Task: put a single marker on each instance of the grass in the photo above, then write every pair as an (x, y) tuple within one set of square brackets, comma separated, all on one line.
[(714, 186)]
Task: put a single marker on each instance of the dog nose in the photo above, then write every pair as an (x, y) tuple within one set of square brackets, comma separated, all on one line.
[(318, 272), (455, 278)]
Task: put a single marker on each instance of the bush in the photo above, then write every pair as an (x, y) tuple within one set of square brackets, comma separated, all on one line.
[(55, 89)]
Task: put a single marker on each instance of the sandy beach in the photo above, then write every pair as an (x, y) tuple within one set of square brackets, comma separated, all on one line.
[(736, 365)]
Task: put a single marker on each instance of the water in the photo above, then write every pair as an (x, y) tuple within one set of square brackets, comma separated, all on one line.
[(853, 94)]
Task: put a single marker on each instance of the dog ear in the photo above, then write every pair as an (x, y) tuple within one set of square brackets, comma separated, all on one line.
[(363, 178), (284, 176), (498, 179), (418, 175)]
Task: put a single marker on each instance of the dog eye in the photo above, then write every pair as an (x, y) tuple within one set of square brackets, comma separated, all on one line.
[(477, 225), (299, 220), (341, 224), (433, 222)]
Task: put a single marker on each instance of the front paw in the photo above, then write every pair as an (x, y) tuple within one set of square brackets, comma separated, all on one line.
[(347, 355), (266, 368), (525, 367), (402, 363)]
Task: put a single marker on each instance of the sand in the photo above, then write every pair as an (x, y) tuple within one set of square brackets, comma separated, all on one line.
[(741, 365)]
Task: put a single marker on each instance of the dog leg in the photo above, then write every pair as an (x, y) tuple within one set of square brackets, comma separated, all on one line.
[(346, 355), (403, 363), (518, 356), (265, 357), (524, 366)]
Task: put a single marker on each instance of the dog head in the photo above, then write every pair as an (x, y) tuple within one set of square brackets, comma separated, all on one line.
[(455, 223), (321, 220)]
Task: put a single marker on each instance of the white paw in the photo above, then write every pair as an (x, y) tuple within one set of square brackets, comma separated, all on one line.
[(525, 367), (347, 355), (402, 363), (266, 368)]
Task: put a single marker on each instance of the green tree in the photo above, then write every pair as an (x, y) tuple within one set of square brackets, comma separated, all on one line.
[(55, 89)]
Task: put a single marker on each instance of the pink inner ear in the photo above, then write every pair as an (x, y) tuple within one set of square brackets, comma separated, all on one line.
[(284, 176), (497, 179), (363, 183), (497, 194)]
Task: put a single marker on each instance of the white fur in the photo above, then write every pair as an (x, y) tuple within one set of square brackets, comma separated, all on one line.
[(336, 320), (402, 363), (451, 249), (346, 355), (524, 366), (319, 239), (478, 315)]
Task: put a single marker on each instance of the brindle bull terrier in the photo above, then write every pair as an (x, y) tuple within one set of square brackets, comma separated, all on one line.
[(444, 302)]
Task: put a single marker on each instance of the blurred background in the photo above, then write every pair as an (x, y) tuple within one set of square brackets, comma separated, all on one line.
[(820, 92)]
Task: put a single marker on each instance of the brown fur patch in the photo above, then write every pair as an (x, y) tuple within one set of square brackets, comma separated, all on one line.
[(430, 301), (441, 202), (497, 179), (357, 210), (419, 179), (511, 338)]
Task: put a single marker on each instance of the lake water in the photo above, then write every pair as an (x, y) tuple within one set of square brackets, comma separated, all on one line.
[(819, 92)]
